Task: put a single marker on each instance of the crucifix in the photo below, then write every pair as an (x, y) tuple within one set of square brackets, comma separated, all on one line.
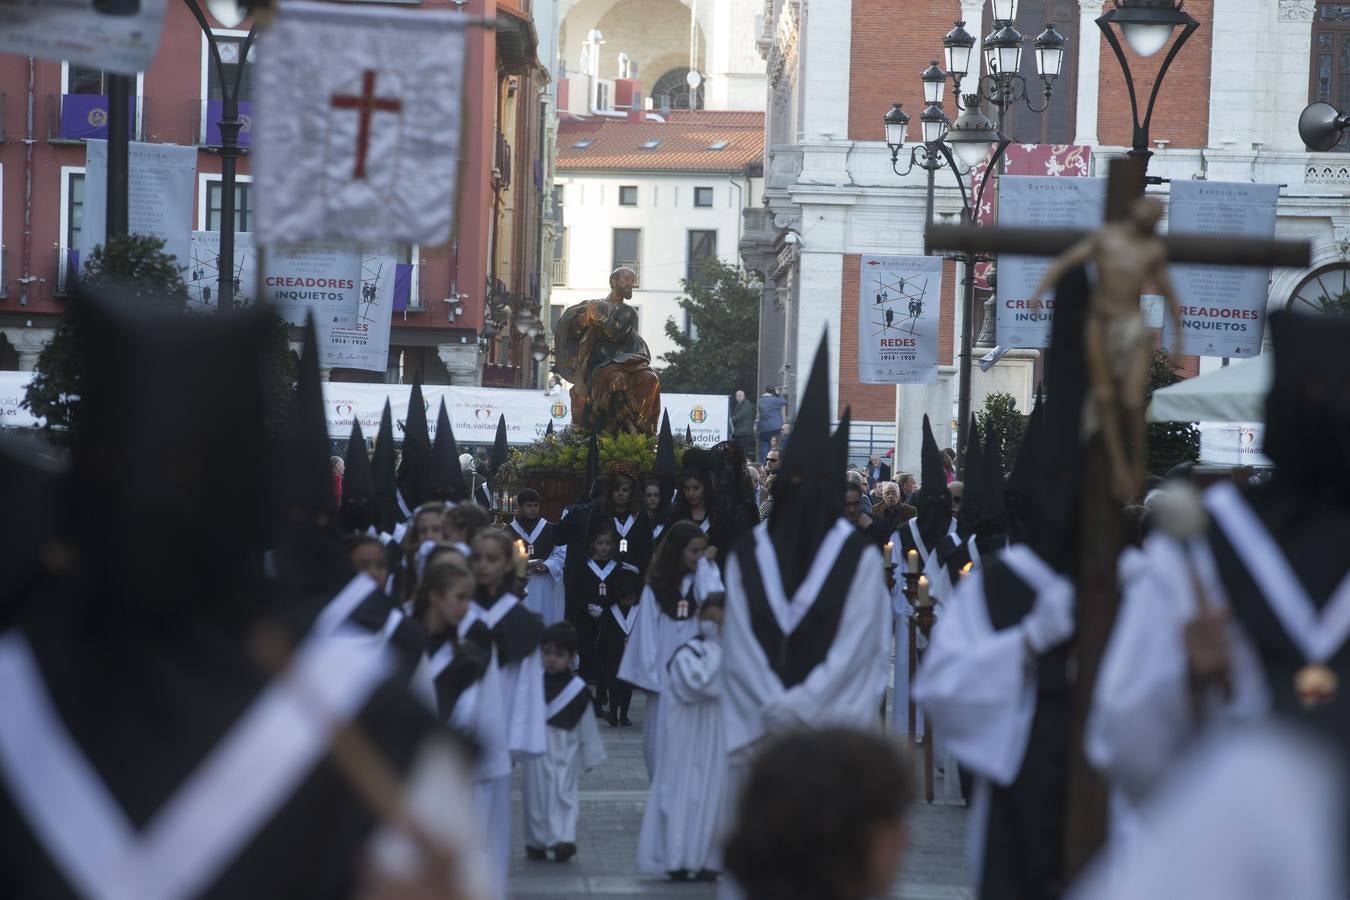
[(366, 105), (1106, 474)]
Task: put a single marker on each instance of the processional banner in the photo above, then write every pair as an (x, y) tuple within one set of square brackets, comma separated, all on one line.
[(1223, 308), (1038, 202), (116, 35), (361, 144), (898, 307)]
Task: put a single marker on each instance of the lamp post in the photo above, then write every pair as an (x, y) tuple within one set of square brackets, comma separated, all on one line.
[(1146, 26), (965, 143), (229, 14)]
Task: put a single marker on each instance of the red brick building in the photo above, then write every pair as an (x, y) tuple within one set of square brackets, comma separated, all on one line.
[(498, 240)]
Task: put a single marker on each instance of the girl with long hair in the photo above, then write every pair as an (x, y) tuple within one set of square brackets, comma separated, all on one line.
[(680, 581)]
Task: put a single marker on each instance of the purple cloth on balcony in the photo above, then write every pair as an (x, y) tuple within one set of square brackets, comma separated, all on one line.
[(72, 265), (215, 111), (402, 286), (85, 116)]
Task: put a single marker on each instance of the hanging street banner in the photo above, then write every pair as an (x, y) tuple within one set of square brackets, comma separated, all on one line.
[(161, 191), (1038, 202), (1046, 160), (203, 273), (1223, 308), (362, 145), (898, 302), (474, 411), (323, 278), (115, 35), (364, 344)]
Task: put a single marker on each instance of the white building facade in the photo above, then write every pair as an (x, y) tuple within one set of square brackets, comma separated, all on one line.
[(1228, 112), (663, 221)]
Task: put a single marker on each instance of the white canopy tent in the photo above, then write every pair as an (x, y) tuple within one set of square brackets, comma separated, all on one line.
[(1234, 393)]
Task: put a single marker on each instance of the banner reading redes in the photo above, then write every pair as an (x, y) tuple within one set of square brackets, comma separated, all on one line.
[(1038, 202), (898, 305), (1223, 308)]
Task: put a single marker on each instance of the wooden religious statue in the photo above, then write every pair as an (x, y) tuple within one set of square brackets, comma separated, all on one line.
[(600, 351), (1119, 346)]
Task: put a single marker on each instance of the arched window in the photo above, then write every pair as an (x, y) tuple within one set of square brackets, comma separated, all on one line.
[(1326, 290), (673, 85), (1331, 57)]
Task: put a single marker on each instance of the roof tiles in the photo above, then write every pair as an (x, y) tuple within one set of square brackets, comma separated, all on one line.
[(684, 141)]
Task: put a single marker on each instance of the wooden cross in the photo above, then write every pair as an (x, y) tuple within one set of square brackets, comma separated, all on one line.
[(366, 105), (1100, 523)]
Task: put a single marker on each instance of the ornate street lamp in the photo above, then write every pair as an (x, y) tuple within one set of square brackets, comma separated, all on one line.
[(229, 14), (972, 134), (958, 45), (1146, 25)]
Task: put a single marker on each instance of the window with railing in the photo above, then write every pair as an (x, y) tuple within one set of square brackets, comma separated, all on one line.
[(628, 249), (72, 216), (701, 247), (80, 111), (560, 260)]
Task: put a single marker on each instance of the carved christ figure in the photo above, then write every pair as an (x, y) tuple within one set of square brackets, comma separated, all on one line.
[(1119, 346), (600, 351)]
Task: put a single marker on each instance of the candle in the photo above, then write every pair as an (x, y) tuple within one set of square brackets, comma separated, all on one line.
[(522, 559), (922, 599), (888, 555), (912, 560), (965, 570)]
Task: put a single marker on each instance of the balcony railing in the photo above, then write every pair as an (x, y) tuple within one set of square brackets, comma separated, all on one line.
[(80, 117), (559, 273), (697, 275), (206, 116)]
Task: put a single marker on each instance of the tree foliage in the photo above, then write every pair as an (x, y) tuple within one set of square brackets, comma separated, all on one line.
[(722, 355), (138, 266), (1169, 443), (1000, 411)]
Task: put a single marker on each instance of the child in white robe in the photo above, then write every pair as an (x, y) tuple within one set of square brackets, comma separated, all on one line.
[(680, 581), (544, 592), (513, 633), (680, 824), (549, 794)]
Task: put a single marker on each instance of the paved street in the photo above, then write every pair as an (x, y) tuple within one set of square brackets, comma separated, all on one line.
[(612, 800)]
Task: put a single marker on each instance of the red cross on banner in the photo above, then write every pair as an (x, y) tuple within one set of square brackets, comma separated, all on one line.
[(366, 105)]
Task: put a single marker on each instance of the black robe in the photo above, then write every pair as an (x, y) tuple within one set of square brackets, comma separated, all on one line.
[(146, 706)]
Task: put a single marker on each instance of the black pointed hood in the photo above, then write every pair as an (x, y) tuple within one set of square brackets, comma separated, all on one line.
[(445, 480), (934, 499), (991, 530), (501, 449), (360, 509), (592, 468), (1308, 408), (304, 479), (548, 432), (172, 419), (972, 482), (809, 490), (414, 468), (388, 513), (688, 435), (665, 450), (1045, 488)]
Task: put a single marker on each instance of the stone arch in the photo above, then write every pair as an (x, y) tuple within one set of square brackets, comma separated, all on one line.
[(1285, 282), (647, 30)]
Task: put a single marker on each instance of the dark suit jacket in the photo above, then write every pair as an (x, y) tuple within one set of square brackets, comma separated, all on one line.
[(885, 475)]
